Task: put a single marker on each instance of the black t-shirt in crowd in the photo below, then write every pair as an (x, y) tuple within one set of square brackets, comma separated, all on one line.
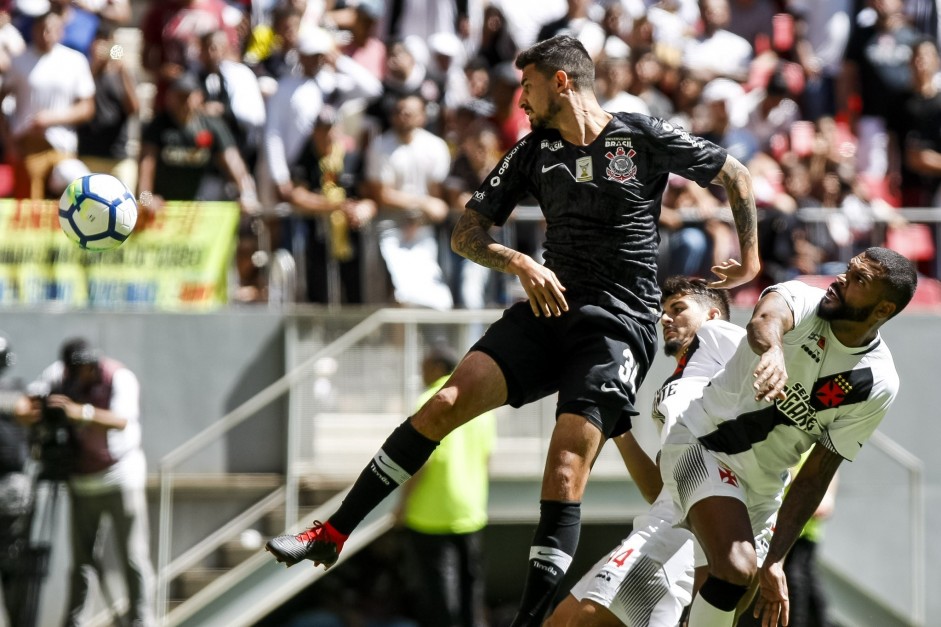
[(601, 203), (186, 154)]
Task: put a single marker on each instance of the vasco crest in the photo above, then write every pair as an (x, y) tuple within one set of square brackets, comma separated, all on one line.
[(621, 167)]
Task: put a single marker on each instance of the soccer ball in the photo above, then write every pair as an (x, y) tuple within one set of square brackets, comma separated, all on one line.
[(97, 212)]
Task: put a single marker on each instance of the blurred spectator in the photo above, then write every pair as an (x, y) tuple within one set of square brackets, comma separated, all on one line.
[(877, 70), (922, 142), (271, 51), (103, 140), (297, 103), (751, 20), (721, 98), (12, 43), (79, 24), (524, 18), (614, 79), (365, 47), (183, 151), (771, 111), (113, 12), (406, 76), (447, 69), (496, 42), (324, 191), (647, 74), (232, 94), (822, 30), (405, 167), (171, 30), (443, 509), (505, 90), (693, 234), (424, 18), (54, 92), (716, 52), (577, 23), (477, 155), (15, 495)]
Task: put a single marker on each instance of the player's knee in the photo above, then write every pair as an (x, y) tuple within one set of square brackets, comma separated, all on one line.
[(739, 566)]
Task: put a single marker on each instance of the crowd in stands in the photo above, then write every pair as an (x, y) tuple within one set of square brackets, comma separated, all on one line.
[(352, 132)]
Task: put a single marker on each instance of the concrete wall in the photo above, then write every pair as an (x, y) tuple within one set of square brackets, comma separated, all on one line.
[(196, 368)]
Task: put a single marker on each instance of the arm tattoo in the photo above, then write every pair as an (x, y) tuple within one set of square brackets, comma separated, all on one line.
[(737, 183), (472, 240)]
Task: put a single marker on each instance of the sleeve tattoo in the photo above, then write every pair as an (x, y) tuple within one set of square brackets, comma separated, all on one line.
[(734, 177), (471, 239)]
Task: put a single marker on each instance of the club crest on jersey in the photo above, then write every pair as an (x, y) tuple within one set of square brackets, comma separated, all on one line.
[(621, 167), (583, 170)]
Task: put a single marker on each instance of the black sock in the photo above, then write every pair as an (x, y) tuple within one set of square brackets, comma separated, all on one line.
[(402, 454), (549, 557)]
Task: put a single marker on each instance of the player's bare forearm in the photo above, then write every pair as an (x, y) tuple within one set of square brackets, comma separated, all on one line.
[(771, 319), (471, 239), (643, 470), (802, 499), (736, 180)]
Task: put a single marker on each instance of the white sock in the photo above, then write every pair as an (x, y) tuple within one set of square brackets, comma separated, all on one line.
[(704, 614)]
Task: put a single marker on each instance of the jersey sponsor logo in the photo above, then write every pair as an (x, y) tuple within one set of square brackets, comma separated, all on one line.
[(669, 389), (798, 409), (695, 141), (479, 196), (495, 181), (546, 168), (621, 167), (583, 170), (614, 142), (550, 146), (814, 346)]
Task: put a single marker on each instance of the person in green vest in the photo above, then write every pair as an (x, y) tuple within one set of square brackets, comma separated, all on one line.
[(443, 510)]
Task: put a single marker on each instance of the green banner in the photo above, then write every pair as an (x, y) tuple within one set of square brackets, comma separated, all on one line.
[(176, 259)]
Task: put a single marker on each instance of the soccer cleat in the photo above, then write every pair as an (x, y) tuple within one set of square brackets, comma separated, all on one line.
[(321, 544)]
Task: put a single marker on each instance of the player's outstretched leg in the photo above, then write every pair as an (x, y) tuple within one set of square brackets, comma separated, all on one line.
[(402, 454)]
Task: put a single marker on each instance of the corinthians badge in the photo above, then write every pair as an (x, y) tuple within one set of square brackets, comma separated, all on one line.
[(621, 167)]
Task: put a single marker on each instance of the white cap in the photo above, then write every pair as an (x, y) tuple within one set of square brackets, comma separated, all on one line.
[(616, 48), (721, 90), (445, 43), (315, 40), (33, 8)]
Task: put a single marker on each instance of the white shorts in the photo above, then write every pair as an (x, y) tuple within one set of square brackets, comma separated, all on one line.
[(692, 473), (648, 579)]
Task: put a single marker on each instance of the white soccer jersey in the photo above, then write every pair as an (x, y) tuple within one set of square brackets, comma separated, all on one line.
[(648, 579), (713, 346), (836, 395)]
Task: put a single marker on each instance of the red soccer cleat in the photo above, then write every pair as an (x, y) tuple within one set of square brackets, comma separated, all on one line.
[(321, 544)]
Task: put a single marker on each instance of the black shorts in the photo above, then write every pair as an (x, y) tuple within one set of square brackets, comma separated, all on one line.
[(595, 358)]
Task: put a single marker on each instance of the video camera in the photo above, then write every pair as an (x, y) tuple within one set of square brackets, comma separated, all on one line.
[(52, 437)]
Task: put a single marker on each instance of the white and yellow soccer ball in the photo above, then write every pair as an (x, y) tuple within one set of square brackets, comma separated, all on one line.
[(97, 212)]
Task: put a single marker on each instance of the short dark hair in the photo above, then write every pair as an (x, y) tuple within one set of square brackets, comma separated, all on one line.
[(698, 290), (899, 279), (77, 352), (561, 53)]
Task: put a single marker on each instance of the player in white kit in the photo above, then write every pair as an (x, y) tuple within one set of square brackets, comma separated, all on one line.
[(814, 370), (648, 579)]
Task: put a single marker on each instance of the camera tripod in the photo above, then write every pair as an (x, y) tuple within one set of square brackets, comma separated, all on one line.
[(36, 551)]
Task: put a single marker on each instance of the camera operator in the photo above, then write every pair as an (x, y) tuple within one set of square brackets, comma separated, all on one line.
[(15, 492), (99, 397)]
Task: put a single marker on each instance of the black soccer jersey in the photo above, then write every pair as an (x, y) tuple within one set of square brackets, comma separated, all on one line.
[(601, 203)]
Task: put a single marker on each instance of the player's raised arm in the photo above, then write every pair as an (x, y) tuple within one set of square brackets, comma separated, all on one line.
[(471, 239), (771, 319), (736, 180)]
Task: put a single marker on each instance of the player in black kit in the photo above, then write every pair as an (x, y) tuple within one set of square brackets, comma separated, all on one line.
[(588, 331)]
